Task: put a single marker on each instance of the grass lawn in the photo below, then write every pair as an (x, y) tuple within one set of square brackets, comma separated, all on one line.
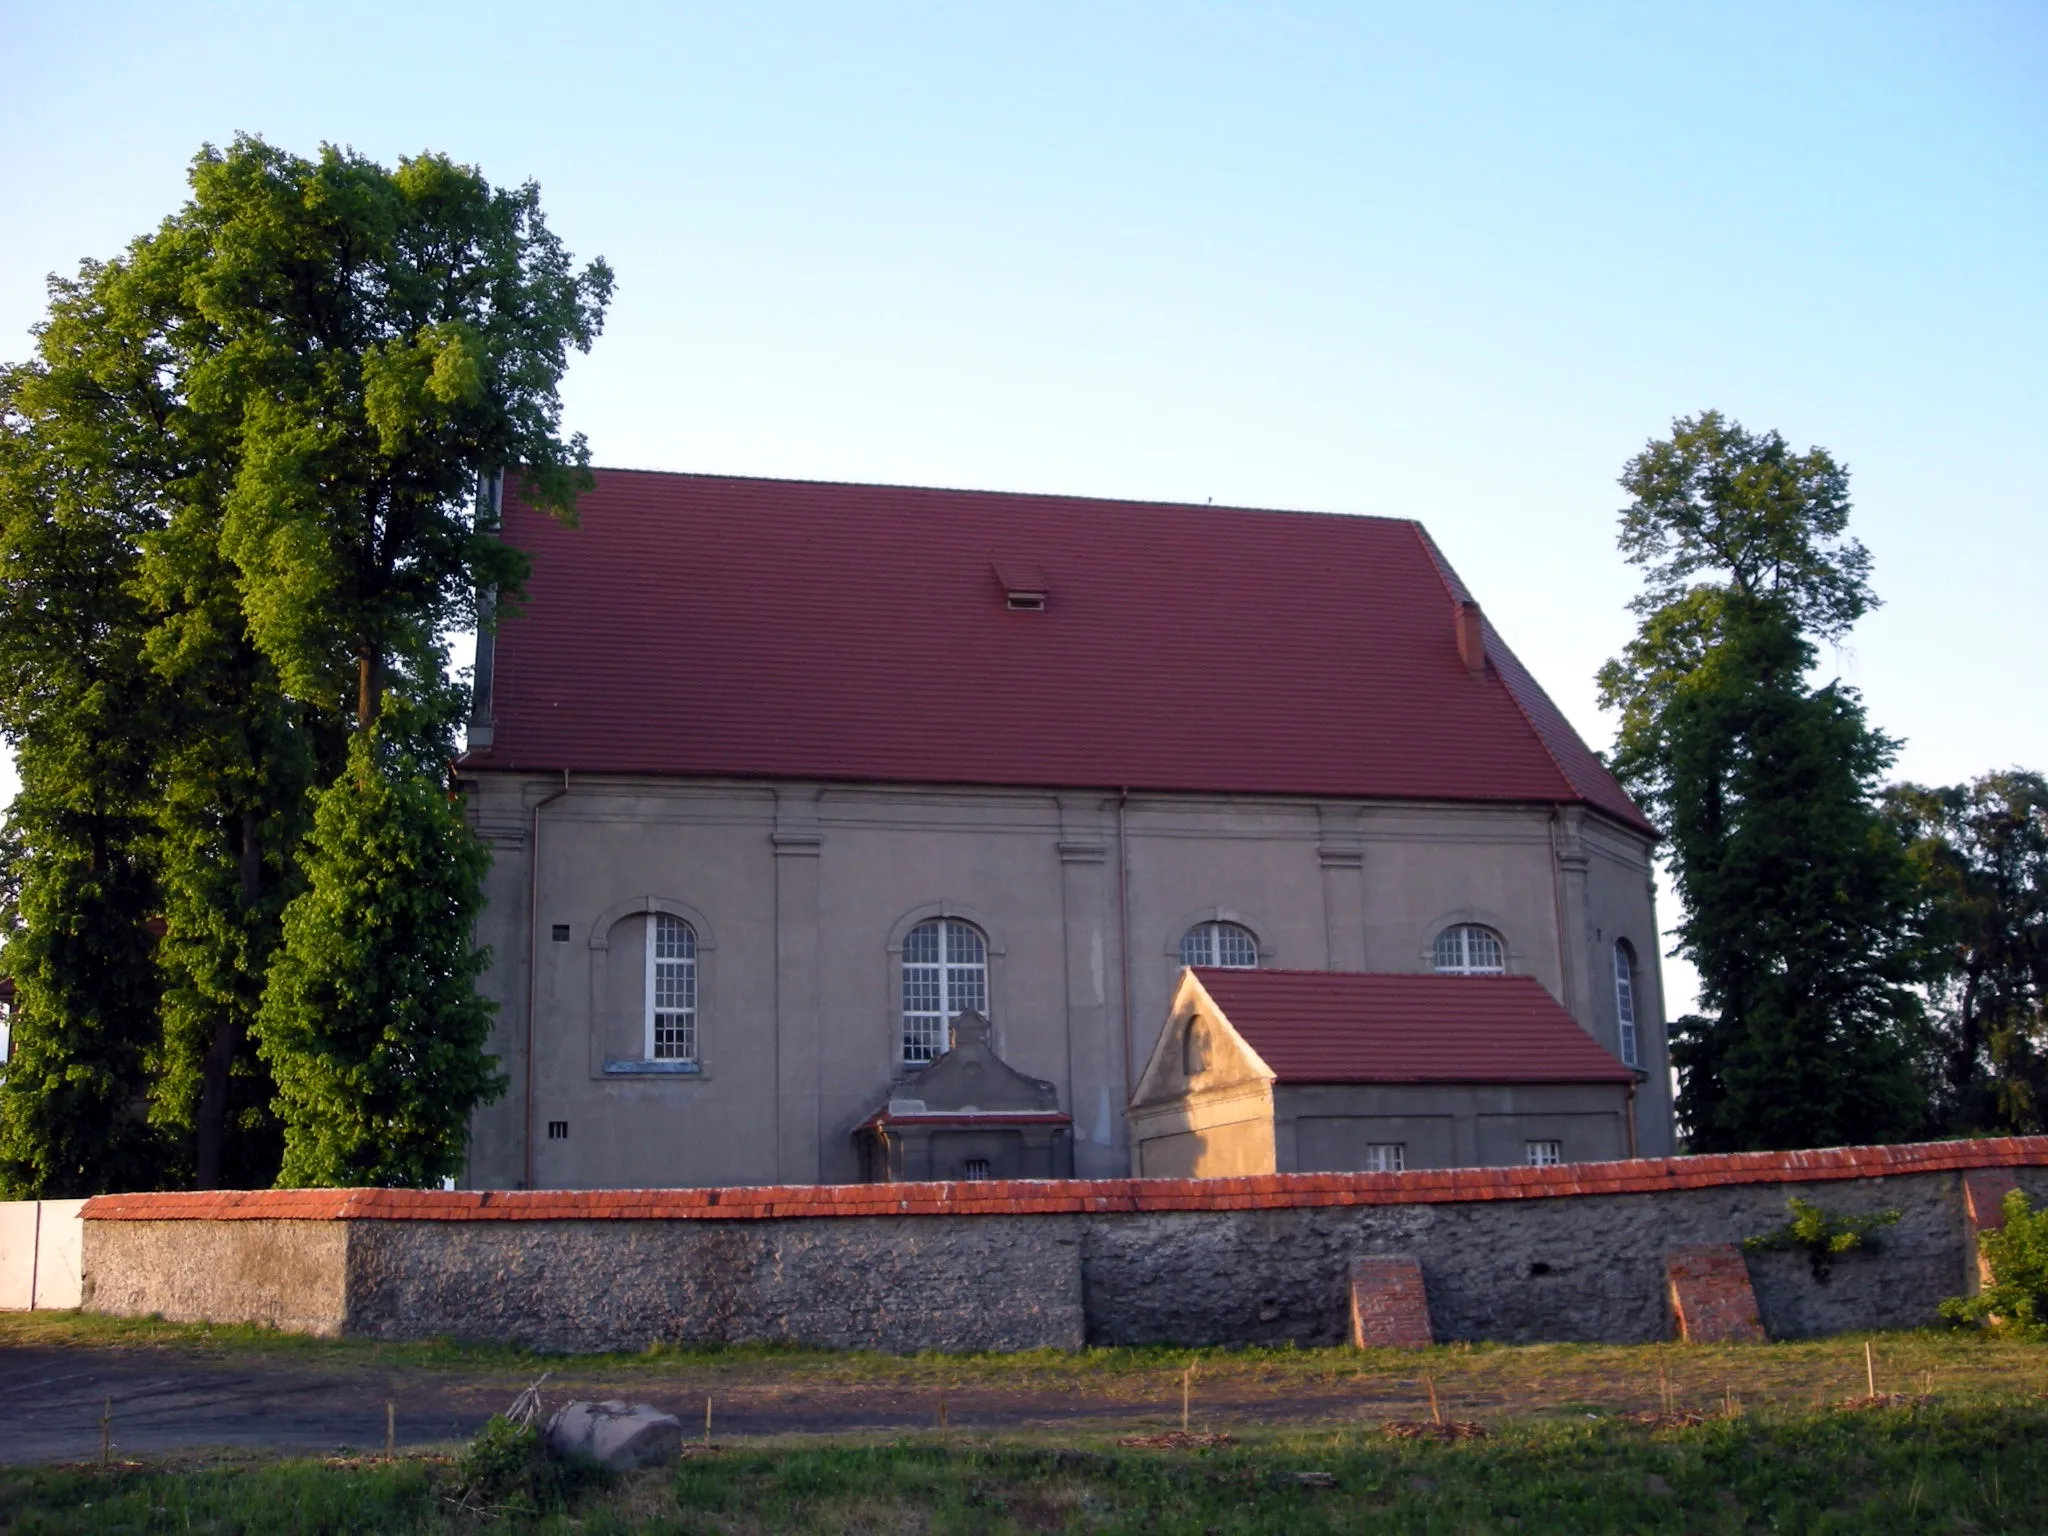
[(1760, 1440), (1925, 1468), (1961, 1367)]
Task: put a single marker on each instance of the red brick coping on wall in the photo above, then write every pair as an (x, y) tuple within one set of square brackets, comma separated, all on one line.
[(1422, 1186)]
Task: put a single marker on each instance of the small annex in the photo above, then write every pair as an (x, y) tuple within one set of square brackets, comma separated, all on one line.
[(969, 1115), (1265, 1071)]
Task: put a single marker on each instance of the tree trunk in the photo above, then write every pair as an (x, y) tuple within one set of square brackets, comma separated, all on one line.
[(217, 1071), (213, 1098), (368, 686)]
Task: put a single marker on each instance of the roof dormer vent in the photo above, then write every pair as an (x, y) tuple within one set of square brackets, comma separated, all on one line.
[(1024, 585)]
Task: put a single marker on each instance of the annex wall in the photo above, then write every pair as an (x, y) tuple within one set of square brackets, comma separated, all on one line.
[(1573, 1253)]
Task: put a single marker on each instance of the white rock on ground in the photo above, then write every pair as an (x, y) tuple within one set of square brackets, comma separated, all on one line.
[(617, 1436)]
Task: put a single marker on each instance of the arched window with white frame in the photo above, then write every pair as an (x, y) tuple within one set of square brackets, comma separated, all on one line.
[(945, 973), (671, 988), (1231, 946), (1468, 950), (1625, 999)]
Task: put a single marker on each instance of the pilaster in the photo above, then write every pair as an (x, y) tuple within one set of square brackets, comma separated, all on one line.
[(1574, 929), (1341, 851), (798, 844), (1095, 1087)]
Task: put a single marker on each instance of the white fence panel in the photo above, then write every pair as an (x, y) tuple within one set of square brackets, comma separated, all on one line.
[(42, 1245), (17, 1255), (60, 1254)]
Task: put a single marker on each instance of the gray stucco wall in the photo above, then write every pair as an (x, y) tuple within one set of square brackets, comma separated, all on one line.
[(1567, 1267), (801, 893)]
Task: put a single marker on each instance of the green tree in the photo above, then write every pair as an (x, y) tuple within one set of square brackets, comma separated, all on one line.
[(371, 1023), (78, 704), (235, 804), (1981, 850), (279, 403), (380, 339), (107, 402), (1800, 909)]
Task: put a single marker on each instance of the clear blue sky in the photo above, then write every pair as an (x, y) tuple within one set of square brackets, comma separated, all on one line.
[(1455, 263)]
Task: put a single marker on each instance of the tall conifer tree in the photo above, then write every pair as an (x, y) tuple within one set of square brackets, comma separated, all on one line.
[(372, 1023), (80, 706)]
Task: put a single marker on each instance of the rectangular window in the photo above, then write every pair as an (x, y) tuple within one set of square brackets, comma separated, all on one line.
[(1545, 1154), (1625, 1001), (671, 989), (558, 1130), (945, 973), (1386, 1156), (976, 1168)]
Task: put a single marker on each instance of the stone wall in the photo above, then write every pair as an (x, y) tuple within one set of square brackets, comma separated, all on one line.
[(898, 1284), (1569, 1253), (1589, 1268)]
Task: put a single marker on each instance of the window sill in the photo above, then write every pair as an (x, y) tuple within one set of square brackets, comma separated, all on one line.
[(615, 1068)]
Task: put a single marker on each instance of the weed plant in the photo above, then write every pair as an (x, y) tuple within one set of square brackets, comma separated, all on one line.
[(2016, 1300)]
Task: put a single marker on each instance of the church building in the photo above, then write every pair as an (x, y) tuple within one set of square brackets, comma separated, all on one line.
[(1191, 839)]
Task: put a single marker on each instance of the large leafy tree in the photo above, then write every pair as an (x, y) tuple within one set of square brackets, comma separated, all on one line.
[(1800, 909), (381, 339), (287, 393), (1982, 853)]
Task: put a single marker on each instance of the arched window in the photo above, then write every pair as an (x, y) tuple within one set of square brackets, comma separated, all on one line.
[(1625, 998), (1469, 950), (671, 989), (1226, 944), (945, 972)]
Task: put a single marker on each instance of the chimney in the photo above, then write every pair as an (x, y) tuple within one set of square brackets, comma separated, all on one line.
[(1471, 639)]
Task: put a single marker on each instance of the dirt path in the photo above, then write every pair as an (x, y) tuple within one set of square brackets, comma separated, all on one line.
[(165, 1401), (176, 1389)]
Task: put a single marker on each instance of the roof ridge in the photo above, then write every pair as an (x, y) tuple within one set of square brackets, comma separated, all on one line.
[(1455, 585), (1460, 593), (1584, 794), (968, 490)]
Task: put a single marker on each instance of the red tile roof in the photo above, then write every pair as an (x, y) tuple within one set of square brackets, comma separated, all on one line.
[(1362, 1027), (706, 625)]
